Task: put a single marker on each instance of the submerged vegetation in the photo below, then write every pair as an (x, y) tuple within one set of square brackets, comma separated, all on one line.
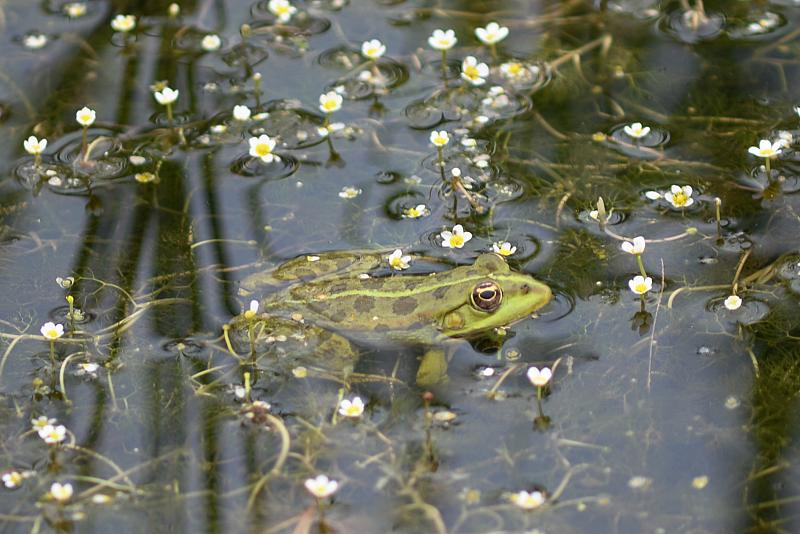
[(182, 180)]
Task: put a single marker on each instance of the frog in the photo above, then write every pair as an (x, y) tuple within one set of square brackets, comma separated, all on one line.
[(319, 309)]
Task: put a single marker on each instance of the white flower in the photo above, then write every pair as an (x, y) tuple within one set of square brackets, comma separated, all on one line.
[(734, 302), (680, 197), (785, 139), (241, 113), (797, 110), (75, 10), (51, 331), (252, 310), (493, 33), (88, 368), (528, 501), (282, 9), (514, 69), (34, 41), (349, 192), (420, 210), (440, 138), (85, 116), (766, 149), (653, 195), (637, 247), (373, 49), (504, 248), (166, 96), (354, 408), (261, 147), (636, 130), (442, 40), (539, 377), (640, 285), (34, 146), (12, 479), (398, 261), (174, 10), (53, 434), (330, 102), (61, 492), (123, 23), (42, 421), (456, 238), (321, 486), (474, 72), (211, 42)]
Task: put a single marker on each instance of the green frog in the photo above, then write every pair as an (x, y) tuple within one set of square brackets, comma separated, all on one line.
[(311, 308)]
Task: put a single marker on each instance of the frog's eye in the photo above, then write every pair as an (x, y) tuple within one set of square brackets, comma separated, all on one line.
[(487, 296)]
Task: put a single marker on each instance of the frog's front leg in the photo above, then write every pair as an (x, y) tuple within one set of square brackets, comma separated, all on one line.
[(432, 368)]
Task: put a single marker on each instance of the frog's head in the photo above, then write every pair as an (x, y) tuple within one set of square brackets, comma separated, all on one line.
[(499, 298)]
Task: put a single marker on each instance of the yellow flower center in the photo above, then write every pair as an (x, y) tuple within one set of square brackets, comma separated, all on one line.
[(640, 287), (471, 72), (679, 199), (413, 212), (353, 411), (282, 10), (514, 69), (505, 251), (329, 105), (85, 117), (456, 240), (263, 149)]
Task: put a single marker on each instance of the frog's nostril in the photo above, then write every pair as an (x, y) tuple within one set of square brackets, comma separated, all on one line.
[(525, 289)]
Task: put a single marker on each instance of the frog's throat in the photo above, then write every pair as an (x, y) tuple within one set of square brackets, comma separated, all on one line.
[(380, 292)]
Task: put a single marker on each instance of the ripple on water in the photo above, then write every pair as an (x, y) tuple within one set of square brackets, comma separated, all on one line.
[(249, 166), (562, 305), (458, 104), (297, 127), (62, 315), (185, 346), (750, 312), (758, 25), (634, 147), (396, 205), (687, 27), (106, 162), (362, 78), (245, 55)]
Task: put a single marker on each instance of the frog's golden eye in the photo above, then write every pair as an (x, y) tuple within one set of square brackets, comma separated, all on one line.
[(487, 296)]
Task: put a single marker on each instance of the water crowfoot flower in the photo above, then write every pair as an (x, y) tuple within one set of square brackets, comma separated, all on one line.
[(42, 421), (349, 192), (252, 310), (12, 479), (282, 9), (52, 331), (35, 147), (415, 212), (53, 434), (640, 284), (261, 147), (539, 377), (504, 248), (353, 409), (398, 261), (492, 34), (636, 247), (241, 113), (443, 40), (61, 492), (321, 486), (766, 149), (75, 10), (440, 138), (455, 239), (734, 302), (166, 97), (679, 196), (474, 72), (636, 130), (373, 49), (85, 116), (329, 103), (123, 23), (528, 501), (211, 42), (34, 41)]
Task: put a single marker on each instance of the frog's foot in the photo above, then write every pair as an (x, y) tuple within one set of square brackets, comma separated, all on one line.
[(282, 345), (433, 368)]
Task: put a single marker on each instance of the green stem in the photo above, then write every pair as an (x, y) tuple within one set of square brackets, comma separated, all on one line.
[(169, 113), (444, 64), (641, 265), (53, 352), (766, 161), (84, 144), (493, 49), (539, 395)]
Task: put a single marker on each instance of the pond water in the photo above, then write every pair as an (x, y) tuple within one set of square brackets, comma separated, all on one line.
[(159, 400)]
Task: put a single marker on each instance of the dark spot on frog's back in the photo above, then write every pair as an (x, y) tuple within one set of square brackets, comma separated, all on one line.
[(363, 304), (440, 292), (404, 306)]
